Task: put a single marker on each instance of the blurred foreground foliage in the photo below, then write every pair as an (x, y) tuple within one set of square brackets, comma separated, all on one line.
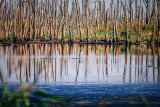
[(29, 95)]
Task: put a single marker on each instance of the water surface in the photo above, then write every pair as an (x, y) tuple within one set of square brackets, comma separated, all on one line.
[(45, 63)]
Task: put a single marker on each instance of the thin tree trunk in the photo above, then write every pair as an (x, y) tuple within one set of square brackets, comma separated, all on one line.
[(138, 27), (158, 20), (106, 37), (147, 5), (136, 7)]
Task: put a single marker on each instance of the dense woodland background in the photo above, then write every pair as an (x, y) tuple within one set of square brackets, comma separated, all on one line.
[(87, 21)]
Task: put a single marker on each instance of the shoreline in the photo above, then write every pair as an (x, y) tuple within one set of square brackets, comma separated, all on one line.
[(100, 42)]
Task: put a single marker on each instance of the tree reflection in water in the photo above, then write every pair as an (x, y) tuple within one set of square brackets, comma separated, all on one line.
[(87, 63)]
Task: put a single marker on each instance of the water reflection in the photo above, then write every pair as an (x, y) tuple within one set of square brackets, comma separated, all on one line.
[(87, 63)]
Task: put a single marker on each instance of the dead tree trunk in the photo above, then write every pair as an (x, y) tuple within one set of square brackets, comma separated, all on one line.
[(103, 12), (86, 17), (136, 7), (1, 32), (55, 17), (147, 5), (130, 11), (125, 21), (115, 25), (158, 21), (34, 18), (106, 37), (1, 2), (138, 27), (118, 1), (78, 26)]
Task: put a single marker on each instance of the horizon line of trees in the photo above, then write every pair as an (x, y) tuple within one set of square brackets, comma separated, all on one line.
[(80, 20)]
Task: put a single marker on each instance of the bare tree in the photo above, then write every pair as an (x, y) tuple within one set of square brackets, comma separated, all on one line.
[(147, 5), (106, 37), (158, 3), (136, 7), (58, 20), (130, 11)]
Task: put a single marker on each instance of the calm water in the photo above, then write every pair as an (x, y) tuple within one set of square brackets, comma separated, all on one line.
[(90, 75), (44, 63)]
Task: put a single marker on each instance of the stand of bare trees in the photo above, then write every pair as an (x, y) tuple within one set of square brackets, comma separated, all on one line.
[(87, 21)]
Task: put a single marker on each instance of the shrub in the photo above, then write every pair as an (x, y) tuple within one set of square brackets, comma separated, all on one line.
[(154, 37), (111, 34), (84, 34), (101, 32), (47, 37), (12, 37), (1, 39), (132, 39), (144, 37), (149, 28), (132, 33), (26, 38), (67, 36)]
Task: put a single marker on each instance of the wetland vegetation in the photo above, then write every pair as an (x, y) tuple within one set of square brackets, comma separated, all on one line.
[(80, 21)]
